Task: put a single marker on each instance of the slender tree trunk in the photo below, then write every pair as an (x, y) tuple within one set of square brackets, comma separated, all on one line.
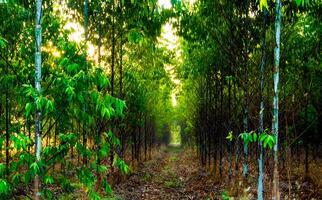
[(139, 138), (7, 124), (278, 22), (221, 127), (236, 134), (261, 109), (99, 121), (245, 165), (112, 75), (86, 70), (210, 122), (133, 144), (216, 126), (113, 47), (121, 50), (122, 132), (38, 144), (229, 127)]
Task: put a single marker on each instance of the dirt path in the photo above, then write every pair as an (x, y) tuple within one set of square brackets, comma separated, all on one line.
[(173, 174)]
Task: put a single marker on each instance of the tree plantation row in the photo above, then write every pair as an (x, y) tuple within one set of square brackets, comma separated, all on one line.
[(70, 117), (90, 89), (252, 84)]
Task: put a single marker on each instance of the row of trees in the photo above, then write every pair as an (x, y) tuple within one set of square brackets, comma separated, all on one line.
[(231, 52), (61, 106)]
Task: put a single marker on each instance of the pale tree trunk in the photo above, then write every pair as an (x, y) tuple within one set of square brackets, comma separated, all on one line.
[(261, 109), (278, 22), (38, 89), (246, 103)]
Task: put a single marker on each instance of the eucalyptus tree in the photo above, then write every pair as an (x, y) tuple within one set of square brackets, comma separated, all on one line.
[(86, 71), (38, 131), (278, 21), (261, 106)]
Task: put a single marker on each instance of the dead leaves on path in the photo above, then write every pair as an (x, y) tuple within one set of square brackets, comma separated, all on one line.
[(175, 174)]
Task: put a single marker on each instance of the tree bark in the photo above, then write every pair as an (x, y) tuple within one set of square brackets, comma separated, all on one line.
[(261, 109), (38, 135), (278, 22)]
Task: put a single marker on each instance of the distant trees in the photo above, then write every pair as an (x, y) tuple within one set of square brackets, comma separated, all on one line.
[(104, 100), (225, 42), (81, 113)]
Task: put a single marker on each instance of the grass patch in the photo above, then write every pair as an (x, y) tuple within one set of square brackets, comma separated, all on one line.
[(173, 183)]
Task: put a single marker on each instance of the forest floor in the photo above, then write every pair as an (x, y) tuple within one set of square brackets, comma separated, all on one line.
[(173, 174)]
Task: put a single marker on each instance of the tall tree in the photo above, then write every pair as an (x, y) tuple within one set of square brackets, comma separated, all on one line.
[(278, 24), (246, 98), (38, 143), (261, 107)]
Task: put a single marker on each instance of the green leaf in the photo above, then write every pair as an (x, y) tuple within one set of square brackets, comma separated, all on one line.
[(94, 195), (47, 194), (102, 169), (70, 92), (230, 136), (125, 168), (103, 81), (49, 106), (28, 109), (72, 67), (271, 140), (298, 2), (1, 142), (104, 150), (262, 137), (254, 136), (2, 43), (263, 4), (16, 178), (4, 187), (29, 90), (34, 166), (49, 180), (28, 177), (2, 169), (135, 36), (64, 61), (108, 189)]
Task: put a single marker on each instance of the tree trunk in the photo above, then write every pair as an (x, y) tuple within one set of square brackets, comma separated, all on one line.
[(122, 132), (7, 124), (99, 121), (85, 109), (278, 22), (38, 89), (112, 77), (261, 109)]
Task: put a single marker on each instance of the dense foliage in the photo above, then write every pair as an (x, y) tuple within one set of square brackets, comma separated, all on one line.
[(89, 90), (94, 107), (227, 77)]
